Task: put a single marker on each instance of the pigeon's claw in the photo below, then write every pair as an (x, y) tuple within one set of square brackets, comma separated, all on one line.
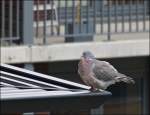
[(92, 89)]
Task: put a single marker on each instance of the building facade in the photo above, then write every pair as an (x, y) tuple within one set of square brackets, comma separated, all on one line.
[(49, 36)]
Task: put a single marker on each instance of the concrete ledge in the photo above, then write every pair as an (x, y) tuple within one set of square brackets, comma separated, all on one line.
[(15, 54), (73, 51)]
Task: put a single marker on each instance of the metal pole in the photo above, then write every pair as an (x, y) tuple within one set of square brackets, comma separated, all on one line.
[(10, 20), (28, 27), (123, 20), (116, 16), (94, 20), (28, 22), (130, 16), (109, 21), (122, 11), (87, 16), (66, 16), (52, 17), (144, 15), (102, 16), (37, 19), (3, 18), (73, 14), (58, 32), (44, 22), (80, 18), (18, 19), (137, 16), (29, 66)]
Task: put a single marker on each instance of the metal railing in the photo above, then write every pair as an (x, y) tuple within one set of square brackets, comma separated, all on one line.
[(10, 20), (73, 19)]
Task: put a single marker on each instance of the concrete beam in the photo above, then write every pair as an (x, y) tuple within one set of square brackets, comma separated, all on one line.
[(16, 54), (73, 51)]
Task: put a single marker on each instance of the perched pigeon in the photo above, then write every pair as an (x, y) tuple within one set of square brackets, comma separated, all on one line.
[(99, 74)]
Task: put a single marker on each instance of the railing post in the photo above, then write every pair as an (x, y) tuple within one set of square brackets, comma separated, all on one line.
[(109, 21), (45, 22), (28, 27), (27, 22)]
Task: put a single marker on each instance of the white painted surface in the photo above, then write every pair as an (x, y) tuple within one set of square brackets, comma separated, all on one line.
[(73, 51), (15, 54)]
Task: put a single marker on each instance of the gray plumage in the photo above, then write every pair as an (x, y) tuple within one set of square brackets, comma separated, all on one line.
[(99, 74)]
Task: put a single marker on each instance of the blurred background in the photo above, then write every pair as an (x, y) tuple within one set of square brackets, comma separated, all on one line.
[(49, 36)]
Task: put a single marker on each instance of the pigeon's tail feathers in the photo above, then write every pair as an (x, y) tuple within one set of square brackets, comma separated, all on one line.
[(124, 78)]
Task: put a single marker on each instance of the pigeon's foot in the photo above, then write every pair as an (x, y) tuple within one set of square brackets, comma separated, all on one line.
[(100, 90), (96, 90), (93, 89)]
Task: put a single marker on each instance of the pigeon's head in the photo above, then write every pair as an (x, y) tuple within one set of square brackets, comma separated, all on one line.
[(88, 54)]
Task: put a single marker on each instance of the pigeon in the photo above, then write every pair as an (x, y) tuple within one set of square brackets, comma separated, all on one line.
[(99, 74)]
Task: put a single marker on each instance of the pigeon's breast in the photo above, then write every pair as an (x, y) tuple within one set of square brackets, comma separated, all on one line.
[(84, 67)]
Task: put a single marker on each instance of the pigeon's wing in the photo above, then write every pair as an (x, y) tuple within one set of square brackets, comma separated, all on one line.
[(104, 71)]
